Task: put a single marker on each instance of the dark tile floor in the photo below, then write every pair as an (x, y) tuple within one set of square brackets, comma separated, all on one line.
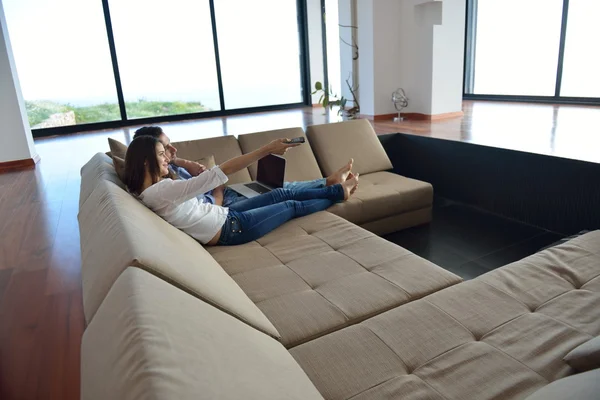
[(471, 242)]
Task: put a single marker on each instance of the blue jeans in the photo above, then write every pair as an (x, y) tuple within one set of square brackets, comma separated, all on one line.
[(253, 218), (231, 196)]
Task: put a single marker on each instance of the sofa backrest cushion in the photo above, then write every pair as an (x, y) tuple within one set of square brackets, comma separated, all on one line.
[(301, 164), (117, 149), (150, 340), (223, 148), (335, 143), (98, 168), (585, 386), (118, 231)]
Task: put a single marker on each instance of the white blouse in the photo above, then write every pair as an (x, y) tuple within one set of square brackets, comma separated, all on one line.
[(175, 201)]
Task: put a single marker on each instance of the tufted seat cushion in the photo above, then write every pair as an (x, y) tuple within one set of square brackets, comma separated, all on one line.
[(385, 194), (500, 336), (320, 273)]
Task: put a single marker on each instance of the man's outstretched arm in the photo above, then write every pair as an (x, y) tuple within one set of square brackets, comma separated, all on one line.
[(192, 167)]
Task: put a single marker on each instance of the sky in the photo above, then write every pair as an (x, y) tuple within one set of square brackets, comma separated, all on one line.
[(165, 51)]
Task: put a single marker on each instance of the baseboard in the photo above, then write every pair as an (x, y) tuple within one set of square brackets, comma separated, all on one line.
[(27, 163), (413, 116), (433, 117)]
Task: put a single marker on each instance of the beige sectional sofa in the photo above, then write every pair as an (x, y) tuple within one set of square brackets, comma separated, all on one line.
[(320, 307)]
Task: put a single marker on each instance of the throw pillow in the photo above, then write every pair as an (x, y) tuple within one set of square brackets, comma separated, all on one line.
[(208, 161), (119, 165), (586, 356), (117, 148)]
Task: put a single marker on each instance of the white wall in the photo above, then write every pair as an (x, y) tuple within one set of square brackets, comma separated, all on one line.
[(346, 52), (448, 58), (315, 45), (414, 44), (388, 53), (367, 59), (17, 142)]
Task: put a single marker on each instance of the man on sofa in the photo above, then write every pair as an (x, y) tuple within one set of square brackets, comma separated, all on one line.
[(186, 169)]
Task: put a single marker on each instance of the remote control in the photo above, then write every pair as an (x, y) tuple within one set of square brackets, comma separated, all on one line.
[(299, 139)]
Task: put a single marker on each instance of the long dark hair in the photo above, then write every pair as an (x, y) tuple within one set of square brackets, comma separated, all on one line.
[(141, 153)]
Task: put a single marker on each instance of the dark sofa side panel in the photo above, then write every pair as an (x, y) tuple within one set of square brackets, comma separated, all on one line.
[(554, 193)]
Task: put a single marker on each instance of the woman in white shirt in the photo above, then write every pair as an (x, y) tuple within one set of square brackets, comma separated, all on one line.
[(147, 176)]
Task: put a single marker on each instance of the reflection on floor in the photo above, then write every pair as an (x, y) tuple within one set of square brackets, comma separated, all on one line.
[(470, 242)]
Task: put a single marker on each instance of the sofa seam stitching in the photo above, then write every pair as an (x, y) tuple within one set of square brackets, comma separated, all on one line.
[(553, 298), (507, 294), (388, 347), (567, 324), (311, 288), (450, 316), (519, 361), (502, 325)]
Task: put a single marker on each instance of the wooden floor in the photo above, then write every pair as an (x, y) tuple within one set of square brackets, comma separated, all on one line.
[(41, 316)]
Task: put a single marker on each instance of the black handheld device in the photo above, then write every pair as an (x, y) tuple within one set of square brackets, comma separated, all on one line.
[(299, 139)]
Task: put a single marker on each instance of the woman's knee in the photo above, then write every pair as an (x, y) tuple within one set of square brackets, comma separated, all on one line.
[(282, 193)]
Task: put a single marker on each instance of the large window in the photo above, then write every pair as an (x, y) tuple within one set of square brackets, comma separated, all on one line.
[(166, 56), (581, 70), (109, 61), (538, 49), (260, 52), (63, 62)]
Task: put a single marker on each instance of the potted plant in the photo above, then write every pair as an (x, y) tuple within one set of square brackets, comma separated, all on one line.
[(329, 100)]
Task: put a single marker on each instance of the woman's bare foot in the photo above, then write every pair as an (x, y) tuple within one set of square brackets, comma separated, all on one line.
[(349, 186), (340, 175)]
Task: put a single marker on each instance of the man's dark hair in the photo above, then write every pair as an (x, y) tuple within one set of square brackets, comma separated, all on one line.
[(141, 153), (154, 131)]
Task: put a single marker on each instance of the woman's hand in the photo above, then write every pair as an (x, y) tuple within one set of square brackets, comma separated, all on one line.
[(280, 146)]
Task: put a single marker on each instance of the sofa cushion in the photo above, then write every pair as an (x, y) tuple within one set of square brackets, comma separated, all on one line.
[(150, 340), (584, 386), (585, 356), (119, 165), (98, 168), (384, 194), (118, 231), (412, 352), (223, 148), (333, 144), (207, 161), (117, 149), (319, 273), (502, 335), (301, 164)]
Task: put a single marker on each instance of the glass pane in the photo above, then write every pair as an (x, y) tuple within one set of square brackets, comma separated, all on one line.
[(63, 61), (517, 44), (260, 52), (581, 66), (166, 56)]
